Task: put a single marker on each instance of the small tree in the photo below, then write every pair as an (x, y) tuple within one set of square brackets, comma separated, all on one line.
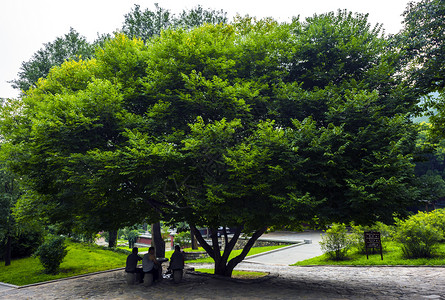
[(132, 238), (336, 242), (51, 253), (419, 235)]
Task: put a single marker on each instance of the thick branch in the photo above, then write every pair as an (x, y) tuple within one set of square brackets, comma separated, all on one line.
[(230, 245), (236, 260), (202, 242), (215, 244)]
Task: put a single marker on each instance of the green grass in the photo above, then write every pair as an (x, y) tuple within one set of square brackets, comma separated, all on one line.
[(392, 256), (238, 274), (234, 253), (81, 259)]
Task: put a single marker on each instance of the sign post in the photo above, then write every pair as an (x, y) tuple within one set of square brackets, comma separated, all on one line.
[(372, 240)]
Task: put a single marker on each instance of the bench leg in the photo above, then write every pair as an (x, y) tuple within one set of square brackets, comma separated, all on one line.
[(130, 278), (177, 276), (148, 279)]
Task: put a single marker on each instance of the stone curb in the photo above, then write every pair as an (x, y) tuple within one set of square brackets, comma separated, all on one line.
[(8, 285), (66, 278)]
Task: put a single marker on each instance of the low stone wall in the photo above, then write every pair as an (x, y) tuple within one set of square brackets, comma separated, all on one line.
[(239, 245), (194, 255), (259, 243)]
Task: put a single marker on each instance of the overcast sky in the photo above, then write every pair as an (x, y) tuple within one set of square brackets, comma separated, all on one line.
[(25, 25)]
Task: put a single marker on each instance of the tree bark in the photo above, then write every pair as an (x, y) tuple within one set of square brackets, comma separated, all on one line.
[(112, 239), (8, 249), (193, 238), (157, 240)]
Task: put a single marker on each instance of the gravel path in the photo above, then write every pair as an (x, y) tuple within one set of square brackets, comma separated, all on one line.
[(284, 282)]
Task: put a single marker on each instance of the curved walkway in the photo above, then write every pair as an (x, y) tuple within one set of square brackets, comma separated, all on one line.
[(307, 247)]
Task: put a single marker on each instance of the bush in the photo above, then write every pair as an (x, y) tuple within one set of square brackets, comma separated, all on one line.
[(336, 242), (419, 235), (51, 253), (358, 238), (132, 238), (437, 219), (183, 239)]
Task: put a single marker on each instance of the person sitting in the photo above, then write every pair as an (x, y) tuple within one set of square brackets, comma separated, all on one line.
[(132, 262), (176, 260), (150, 264)]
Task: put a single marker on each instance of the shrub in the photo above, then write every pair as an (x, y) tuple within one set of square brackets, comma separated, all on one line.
[(336, 242), (132, 238), (437, 219), (51, 253), (419, 235), (183, 239)]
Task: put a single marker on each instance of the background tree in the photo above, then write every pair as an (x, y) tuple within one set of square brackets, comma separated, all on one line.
[(8, 197), (422, 42), (145, 24), (71, 46)]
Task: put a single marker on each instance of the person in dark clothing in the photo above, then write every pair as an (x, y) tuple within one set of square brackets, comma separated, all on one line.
[(132, 262)]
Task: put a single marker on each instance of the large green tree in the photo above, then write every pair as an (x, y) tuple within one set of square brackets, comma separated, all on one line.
[(222, 126)]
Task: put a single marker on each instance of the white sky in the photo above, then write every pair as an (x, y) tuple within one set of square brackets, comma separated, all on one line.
[(25, 25)]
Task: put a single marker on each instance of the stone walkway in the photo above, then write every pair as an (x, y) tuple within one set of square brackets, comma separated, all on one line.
[(284, 282)]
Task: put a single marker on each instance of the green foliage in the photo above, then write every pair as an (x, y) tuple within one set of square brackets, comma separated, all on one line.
[(419, 234), (422, 39), (423, 46), (24, 243), (146, 24), (336, 242), (183, 239), (51, 253), (132, 238)]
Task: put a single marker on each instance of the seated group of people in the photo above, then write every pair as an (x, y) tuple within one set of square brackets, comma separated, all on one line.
[(151, 265)]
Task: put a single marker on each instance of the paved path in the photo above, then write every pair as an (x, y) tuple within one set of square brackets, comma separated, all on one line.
[(284, 282), (290, 255)]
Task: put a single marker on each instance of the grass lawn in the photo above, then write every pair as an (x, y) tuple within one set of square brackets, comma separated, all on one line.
[(393, 256), (81, 259), (238, 274)]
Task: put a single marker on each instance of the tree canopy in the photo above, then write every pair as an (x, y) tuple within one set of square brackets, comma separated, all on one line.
[(247, 125)]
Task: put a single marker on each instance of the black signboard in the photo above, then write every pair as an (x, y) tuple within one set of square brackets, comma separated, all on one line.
[(372, 240)]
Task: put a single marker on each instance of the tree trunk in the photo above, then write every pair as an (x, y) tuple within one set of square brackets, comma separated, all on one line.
[(224, 267), (193, 238), (112, 239), (8, 249), (157, 240)]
